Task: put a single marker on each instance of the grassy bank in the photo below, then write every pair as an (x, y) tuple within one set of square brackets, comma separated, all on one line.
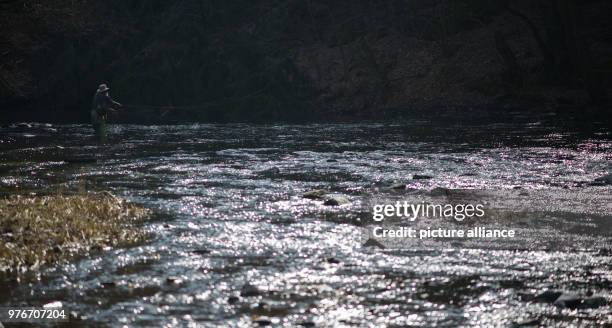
[(37, 230)]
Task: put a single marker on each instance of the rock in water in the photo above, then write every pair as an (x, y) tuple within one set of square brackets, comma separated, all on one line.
[(270, 172), (575, 301), (336, 201), (332, 260), (233, 299), (109, 284), (548, 296), (373, 243), (249, 290), (80, 159), (527, 322), (202, 251), (398, 186), (568, 301), (174, 280), (315, 194), (52, 305), (594, 302), (263, 321), (421, 177), (605, 180), (440, 191), (24, 125)]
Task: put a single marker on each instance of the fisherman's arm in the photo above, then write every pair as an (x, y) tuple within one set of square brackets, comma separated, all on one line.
[(113, 103)]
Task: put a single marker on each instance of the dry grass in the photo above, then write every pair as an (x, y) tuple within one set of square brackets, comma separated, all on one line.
[(46, 229)]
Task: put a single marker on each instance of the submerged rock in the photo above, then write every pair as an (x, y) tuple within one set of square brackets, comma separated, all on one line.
[(594, 302), (421, 177), (52, 305), (174, 280), (575, 301), (398, 186), (527, 322), (80, 159), (263, 321), (270, 172), (23, 125), (548, 296), (605, 180), (332, 260), (202, 251), (272, 308), (109, 284), (249, 290), (315, 194), (570, 300), (605, 252), (336, 200), (233, 299), (373, 243), (440, 191)]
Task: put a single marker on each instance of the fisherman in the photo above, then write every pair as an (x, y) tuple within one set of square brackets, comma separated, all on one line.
[(102, 103)]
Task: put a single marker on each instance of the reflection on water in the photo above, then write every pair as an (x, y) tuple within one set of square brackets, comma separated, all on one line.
[(233, 242)]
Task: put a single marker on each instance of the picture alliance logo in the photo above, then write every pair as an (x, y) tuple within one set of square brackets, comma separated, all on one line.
[(412, 211)]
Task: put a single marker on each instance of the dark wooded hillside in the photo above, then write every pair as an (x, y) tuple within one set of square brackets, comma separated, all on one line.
[(300, 59)]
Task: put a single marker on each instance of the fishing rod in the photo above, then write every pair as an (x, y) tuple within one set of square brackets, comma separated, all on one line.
[(166, 107), (199, 106)]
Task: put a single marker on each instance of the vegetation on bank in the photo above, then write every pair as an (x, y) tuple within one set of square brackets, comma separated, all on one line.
[(37, 230)]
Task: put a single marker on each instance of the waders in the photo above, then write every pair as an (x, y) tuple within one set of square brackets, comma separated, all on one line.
[(99, 124)]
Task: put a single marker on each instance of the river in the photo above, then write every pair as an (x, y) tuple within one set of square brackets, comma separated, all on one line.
[(232, 242)]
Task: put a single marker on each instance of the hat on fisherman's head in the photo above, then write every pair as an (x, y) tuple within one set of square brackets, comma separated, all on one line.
[(103, 88)]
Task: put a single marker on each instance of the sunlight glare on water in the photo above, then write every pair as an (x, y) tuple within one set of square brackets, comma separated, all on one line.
[(233, 241)]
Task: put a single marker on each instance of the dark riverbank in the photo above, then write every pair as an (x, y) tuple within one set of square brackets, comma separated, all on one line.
[(300, 60)]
